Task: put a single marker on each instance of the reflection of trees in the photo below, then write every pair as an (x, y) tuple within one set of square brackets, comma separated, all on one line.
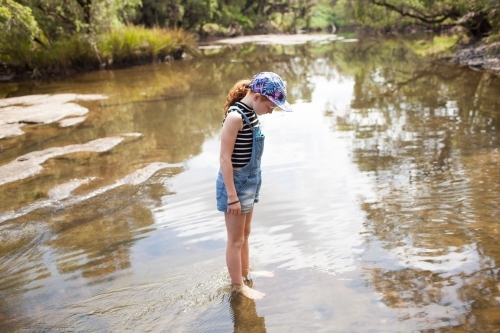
[(15, 276), (296, 64), (244, 313), (10, 317), (93, 237), (429, 135), (104, 235)]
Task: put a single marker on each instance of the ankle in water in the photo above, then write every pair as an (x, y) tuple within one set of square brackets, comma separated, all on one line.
[(236, 286)]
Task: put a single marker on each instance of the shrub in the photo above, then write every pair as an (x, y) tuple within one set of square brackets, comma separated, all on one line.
[(126, 44)]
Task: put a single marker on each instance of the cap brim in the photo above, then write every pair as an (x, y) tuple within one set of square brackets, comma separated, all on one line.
[(284, 106)]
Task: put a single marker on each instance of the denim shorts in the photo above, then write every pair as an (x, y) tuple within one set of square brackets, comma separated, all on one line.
[(247, 186)]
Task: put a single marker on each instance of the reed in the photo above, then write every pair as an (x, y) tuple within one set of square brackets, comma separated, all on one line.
[(119, 47), (135, 43)]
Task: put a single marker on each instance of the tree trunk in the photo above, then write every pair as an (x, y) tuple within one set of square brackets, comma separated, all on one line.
[(86, 7), (476, 24)]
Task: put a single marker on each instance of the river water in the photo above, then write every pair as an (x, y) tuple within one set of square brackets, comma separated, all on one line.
[(379, 210)]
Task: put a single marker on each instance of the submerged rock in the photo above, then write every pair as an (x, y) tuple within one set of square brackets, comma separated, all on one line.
[(30, 164), (71, 121), (15, 112), (62, 195)]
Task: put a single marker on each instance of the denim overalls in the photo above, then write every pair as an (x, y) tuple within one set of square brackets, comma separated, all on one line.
[(247, 181)]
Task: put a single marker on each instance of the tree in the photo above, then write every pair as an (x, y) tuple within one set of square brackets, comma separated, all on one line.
[(59, 18), (252, 15), (18, 21), (474, 15)]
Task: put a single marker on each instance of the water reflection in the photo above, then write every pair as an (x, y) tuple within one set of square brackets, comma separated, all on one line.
[(425, 133), (380, 208), (244, 315)]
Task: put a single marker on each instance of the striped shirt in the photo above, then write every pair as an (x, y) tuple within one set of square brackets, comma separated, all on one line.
[(243, 146)]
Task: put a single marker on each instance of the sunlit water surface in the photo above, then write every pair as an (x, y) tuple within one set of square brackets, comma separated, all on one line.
[(379, 210)]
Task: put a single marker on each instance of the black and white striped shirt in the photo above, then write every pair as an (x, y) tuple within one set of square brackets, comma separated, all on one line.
[(243, 146)]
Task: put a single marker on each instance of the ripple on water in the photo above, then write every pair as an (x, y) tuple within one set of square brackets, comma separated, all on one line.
[(167, 301)]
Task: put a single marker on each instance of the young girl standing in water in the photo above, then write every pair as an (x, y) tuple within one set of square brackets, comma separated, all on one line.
[(239, 178)]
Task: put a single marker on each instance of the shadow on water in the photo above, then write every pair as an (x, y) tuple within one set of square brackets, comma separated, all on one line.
[(380, 211)]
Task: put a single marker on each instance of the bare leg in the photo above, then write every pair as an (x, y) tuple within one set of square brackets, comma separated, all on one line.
[(235, 225), (245, 253), (245, 249)]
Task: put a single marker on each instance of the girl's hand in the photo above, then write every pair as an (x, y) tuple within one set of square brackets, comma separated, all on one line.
[(234, 208)]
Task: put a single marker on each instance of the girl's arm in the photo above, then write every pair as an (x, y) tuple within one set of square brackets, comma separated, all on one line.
[(230, 128)]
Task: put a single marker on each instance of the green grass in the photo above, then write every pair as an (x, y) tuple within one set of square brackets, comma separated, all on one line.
[(127, 44)]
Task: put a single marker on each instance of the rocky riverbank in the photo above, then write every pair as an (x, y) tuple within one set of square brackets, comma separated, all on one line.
[(479, 56)]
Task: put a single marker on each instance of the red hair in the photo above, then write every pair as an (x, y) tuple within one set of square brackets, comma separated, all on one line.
[(237, 92)]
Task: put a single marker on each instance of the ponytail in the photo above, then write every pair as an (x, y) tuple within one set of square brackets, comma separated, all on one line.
[(237, 92)]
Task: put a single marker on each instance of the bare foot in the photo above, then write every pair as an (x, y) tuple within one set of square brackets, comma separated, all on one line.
[(261, 273), (249, 292)]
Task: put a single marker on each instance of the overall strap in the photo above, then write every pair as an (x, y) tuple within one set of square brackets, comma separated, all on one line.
[(245, 118)]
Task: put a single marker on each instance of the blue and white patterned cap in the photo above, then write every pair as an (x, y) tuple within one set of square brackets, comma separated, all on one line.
[(271, 85)]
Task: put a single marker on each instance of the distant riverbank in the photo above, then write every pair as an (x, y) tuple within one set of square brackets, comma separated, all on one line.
[(128, 47), (122, 47), (131, 46)]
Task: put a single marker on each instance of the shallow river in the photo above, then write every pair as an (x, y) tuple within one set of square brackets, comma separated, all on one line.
[(379, 210)]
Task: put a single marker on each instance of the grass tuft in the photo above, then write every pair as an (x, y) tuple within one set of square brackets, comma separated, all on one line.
[(121, 46)]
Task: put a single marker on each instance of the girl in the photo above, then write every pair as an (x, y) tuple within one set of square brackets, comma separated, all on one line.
[(239, 178)]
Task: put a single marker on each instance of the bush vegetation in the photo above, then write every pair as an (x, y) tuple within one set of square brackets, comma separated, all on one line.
[(57, 35)]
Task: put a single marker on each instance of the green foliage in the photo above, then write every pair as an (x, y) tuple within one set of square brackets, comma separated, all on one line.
[(62, 55), (322, 16), (187, 14), (376, 16), (492, 7), (122, 45), (17, 21), (213, 29), (45, 33), (163, 13), (478, 17), (134, 43), (252, 16), (81, 34), (63, 18)]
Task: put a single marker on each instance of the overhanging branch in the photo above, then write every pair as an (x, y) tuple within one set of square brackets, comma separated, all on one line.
[(418, 15)]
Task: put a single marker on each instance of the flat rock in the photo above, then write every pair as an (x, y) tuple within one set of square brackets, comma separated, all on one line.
[(279, 39), (71, 121), (40, 109), (30, 164), (8, 130)]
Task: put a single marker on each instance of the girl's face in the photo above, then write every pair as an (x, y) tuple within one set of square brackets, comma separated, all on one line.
[(262, 105)]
